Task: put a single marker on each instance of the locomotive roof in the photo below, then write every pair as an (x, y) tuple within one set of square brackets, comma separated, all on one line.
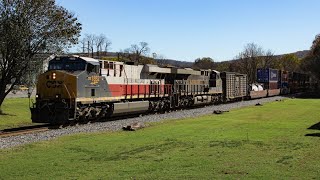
[(217, 72), (87, 59)]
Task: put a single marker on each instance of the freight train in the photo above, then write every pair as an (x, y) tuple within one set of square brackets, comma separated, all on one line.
[(81, 89)]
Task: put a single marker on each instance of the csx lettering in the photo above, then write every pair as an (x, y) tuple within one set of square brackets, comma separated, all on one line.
[(94, 79), (54, 84)]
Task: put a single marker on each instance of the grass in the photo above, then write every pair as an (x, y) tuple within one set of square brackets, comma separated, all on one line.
[(260, 142), (16, 113)]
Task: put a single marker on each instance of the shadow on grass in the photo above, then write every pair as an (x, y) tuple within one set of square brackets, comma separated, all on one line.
[(313, 134), (5, 114), (315, 126), (309, 95)]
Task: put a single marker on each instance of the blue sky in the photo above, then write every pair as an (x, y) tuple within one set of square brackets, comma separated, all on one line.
[(188, 29)]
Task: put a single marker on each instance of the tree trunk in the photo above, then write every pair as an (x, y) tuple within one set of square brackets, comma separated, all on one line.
[(4, 93), (2, 96)]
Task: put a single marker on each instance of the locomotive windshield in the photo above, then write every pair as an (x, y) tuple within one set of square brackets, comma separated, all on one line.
[(74, 64), (67, 65)]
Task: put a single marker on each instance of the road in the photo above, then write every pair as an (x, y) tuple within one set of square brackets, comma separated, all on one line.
[(20, 94)]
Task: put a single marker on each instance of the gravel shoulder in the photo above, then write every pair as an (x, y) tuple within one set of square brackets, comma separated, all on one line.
[(10, 142)]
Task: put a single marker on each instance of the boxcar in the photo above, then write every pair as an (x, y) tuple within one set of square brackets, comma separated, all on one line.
[(234, 86)]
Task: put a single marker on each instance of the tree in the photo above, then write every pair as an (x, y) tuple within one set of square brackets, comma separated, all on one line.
[(90, 39), (29, 27), (253, 57), (289, 62), (312, 62), (83, 45), (203, 63), (91, 42), (268, 60), (161, 60), (222, 66), (137, 51), (99, 42), (107, 44), (315, 48)]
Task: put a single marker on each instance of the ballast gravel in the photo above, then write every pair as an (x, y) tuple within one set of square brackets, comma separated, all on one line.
[(117, 125)]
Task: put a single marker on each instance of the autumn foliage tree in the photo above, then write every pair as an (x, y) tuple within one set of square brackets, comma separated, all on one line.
[(29, 27), (312, 62), (289, 62)]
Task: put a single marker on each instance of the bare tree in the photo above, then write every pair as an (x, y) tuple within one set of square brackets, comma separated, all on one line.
[(107, 44), (99, 41), (253, 57), (136, 52), (249, 60), (161, 60), (90, 43), (268, 60), (83, 45)]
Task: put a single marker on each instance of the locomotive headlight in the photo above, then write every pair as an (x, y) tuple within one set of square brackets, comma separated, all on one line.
[(37, 95), (53, 75), (58, 96)]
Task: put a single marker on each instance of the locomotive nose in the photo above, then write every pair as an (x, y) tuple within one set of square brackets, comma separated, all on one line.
[(56, 84), (56, 92)]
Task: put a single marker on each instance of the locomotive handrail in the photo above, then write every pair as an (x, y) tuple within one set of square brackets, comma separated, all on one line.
[(68, 93)]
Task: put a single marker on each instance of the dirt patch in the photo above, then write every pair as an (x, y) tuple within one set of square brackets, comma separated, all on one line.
[(234, 144), (285, 159), (234, 172)]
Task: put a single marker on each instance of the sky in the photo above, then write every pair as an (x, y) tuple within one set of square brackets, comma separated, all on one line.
[(189, 29)]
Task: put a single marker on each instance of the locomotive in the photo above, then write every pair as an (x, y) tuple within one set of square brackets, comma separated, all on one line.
[(81, 89)]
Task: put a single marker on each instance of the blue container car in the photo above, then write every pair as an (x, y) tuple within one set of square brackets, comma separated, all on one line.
[(267, 75)]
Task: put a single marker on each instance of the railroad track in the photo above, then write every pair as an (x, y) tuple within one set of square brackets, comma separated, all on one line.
[(24, 130), (46, 127)]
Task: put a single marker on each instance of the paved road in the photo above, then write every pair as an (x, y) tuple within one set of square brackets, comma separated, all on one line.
[(20, 94)]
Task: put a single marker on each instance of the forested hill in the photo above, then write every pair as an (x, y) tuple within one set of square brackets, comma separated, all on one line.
[(185, 64), (299, 54)]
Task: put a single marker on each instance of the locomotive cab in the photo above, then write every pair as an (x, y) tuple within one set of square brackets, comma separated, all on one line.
[(215, 82)]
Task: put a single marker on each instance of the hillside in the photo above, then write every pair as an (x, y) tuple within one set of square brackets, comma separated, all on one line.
[(185, 64), (299, 54), (180, 63)]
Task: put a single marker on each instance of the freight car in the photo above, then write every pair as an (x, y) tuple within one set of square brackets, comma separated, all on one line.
[(234, 86), (269, 79), (298, 82), (256, 91), (283, 82)]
